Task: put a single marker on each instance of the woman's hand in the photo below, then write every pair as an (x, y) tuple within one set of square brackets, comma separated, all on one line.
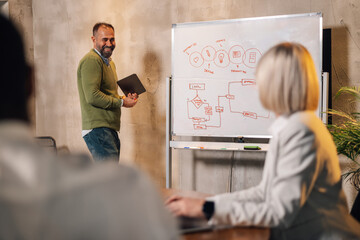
[(185, 206)]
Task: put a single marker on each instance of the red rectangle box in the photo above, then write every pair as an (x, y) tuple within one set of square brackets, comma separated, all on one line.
[(208, 110), (228, 96), (219, 109), (250, 115), (199, 126), (246, 82), (197, 86)]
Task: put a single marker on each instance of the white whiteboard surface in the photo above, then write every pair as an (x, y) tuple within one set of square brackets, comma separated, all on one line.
[(214, 90)]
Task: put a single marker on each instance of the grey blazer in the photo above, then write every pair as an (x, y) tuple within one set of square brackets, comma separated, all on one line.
[(41, 198), (300, 195)]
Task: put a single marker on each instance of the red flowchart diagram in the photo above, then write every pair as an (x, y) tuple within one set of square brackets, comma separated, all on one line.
[(210, 57), (240, 98), (202, 113)]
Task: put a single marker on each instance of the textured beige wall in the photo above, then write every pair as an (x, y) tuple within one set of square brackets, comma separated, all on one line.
[(20, 11), (62, 31)]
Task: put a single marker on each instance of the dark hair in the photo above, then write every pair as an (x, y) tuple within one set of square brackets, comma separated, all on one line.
[(14, 79), (100, 24)]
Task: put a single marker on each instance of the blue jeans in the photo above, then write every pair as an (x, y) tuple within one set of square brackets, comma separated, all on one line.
[(103, 143)]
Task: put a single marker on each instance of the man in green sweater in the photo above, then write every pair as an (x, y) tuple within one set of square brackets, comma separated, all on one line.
[(99, 100)]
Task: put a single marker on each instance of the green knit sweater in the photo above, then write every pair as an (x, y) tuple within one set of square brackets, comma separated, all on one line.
[(99, 100)]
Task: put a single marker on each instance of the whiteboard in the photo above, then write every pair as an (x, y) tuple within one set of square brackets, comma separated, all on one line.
[(213, 89)]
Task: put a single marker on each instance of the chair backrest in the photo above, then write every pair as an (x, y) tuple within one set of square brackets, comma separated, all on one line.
[(47, 142)]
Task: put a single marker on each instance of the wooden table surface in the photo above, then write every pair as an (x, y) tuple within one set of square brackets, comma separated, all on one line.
[(234, 233)]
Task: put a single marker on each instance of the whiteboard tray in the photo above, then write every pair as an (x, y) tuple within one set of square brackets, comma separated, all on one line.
[(222, 146)]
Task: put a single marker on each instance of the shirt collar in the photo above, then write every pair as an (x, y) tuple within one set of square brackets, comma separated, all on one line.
[(106, 60)]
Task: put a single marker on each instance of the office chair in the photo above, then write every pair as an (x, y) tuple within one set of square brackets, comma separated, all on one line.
[(47, 142)]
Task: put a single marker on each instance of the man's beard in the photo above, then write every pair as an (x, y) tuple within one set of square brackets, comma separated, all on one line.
[(106, 54)]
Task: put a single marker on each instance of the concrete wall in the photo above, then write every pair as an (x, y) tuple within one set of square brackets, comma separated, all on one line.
[(62, 31), (20, 11)]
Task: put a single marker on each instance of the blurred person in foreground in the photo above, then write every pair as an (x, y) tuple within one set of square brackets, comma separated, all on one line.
[(42, 198), (300, 195)]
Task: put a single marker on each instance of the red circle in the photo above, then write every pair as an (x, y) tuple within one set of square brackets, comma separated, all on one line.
[(207, 54), (256, 60), (242, 54), (227, 57), (200, 58)]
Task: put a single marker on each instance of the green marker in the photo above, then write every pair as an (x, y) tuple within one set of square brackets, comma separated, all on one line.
[(252, 148), (233, 149)]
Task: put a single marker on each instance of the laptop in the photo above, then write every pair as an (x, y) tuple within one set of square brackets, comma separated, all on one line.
[(191, 225)]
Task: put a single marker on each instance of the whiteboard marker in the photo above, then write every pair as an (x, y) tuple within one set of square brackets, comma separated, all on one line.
[(252, 148), (229, 149)]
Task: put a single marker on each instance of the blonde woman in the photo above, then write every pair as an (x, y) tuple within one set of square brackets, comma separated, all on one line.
[(300, 195)]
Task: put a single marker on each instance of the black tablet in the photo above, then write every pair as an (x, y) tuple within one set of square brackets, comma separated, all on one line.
[(131, 84)]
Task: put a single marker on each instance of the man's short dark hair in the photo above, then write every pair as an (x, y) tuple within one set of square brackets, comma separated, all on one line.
[(101, 24), (14, 80)]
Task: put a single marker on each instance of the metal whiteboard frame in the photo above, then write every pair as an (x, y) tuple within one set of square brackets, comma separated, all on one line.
[(168, 154)]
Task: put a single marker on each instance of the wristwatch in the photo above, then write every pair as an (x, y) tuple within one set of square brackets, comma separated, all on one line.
[(208, 209)]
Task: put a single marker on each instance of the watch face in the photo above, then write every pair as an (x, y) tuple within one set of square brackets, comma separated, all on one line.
[(208, 209)]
